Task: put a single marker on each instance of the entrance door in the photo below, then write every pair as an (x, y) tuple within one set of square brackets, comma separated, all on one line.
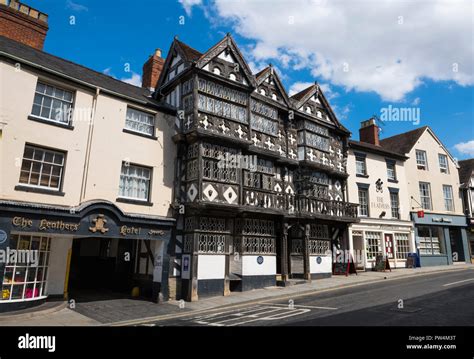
[(358, 243), (295, 252), (457, 248)]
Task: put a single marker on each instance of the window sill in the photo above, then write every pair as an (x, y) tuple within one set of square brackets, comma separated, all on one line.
[(134, 201), (363, 176), (50, 122), (139, 134), (392, 180), (41, 190)]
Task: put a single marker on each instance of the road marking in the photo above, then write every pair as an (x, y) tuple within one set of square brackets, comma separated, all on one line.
[(459, 281), (303, 306), (234, 317)]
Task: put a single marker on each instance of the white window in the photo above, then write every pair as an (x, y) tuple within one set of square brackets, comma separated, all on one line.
[(394, 204), (274, 96), (139, 121), (443, 163), (134, 182), (263, 92), (425, 195), (233, 77), (448, 198), (373, 243), (308, 109), (52, 103), (421, 162), (42, 167), (403, 245), (391, 174), (217, 71), (26, 278), (363, 202), (361, 168)]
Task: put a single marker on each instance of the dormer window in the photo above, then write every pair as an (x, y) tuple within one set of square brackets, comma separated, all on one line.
[(217, 71), (263, 92), (233, 77), (308, 109), (319, 114), (274, 96)]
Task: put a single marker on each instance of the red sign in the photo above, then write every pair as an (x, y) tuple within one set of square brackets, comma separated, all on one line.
[(421, 214), (389, 245)]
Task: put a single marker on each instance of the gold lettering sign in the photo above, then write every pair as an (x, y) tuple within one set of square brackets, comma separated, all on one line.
[(156, 232), (57, 225), (124, 230), (22, 222)]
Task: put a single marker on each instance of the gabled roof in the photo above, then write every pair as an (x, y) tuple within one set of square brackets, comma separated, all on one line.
[(74, 72), (303, 96), (404, 142), (214, 51), (364, 146), (188, 52), (466, 168), (268, 71)]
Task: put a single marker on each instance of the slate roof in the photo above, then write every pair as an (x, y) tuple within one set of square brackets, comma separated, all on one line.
[(59, 66), (190, 53), (376, 149), (404, 142), (466, 167)]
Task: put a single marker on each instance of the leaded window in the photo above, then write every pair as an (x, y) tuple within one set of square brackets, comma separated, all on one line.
[(263, 109), (258, 245), (223, 109), (222, 92), (319, 247), (264, 125), (317, 141), (214, 170)]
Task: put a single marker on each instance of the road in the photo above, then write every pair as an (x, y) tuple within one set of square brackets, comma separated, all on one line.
[(441, 299)]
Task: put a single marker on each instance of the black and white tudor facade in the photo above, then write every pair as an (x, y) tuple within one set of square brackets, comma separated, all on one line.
[(260, 192)]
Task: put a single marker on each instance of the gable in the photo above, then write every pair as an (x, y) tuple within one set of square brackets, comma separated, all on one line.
[(225, 60), (270, 86), (314, 104)]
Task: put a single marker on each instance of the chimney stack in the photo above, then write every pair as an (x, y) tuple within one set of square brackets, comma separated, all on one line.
[(152, 70), (369, 132), (22, 23)]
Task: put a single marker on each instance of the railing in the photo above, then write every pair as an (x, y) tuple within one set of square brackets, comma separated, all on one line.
[(312, 205), (299, 204)]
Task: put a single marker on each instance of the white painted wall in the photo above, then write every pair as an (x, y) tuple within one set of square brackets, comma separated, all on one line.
[(324, 267), (211, 267), (251, 267), (57, 265)]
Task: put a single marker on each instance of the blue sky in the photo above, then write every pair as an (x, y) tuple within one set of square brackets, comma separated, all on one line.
[(416, 55)]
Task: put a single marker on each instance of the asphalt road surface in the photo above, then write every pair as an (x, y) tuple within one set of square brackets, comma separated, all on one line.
[(441, 299)]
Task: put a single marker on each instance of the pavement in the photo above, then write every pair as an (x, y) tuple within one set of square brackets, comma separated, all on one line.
[(119, 312)]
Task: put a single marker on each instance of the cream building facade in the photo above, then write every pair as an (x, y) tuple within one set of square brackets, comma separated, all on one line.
[(87, 169), (378, 183)]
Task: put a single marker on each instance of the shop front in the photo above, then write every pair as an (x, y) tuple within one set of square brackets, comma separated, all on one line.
[(372, 237), (93, 251), (440, 239)]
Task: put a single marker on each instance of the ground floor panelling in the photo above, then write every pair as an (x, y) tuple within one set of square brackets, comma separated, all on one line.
[(96, 252)]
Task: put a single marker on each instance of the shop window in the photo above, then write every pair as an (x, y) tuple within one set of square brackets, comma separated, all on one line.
[(373, 244), (42, 167), (52, 104), (25, 278), (402, 244), (430, 240)]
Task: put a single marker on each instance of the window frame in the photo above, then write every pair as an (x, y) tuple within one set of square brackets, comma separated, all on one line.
[(39, 187), (135, 200), (420, 166), (445, 199), (445, 157), (394, 192), (135, 132), (48, 120), (360, 158), (394, 164), (363, 189), (429, 195)]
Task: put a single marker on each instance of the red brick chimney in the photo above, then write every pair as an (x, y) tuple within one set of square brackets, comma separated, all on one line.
[(152, 70), (22, 23), (369, 132)]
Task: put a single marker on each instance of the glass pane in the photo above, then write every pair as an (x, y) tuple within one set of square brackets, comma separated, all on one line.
[(28, 152), (17, 291), (8, 277), (39, 274), (58, 158), (30, 291), (40, 87), (6, 290), (24, 175), (45, 112), (20, 274), (34, 179), (36, 110), (13, 241), (24, 243), (31, 275), (54, 182)]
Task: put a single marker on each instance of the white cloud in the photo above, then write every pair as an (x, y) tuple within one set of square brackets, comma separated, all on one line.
[(188, 5), (135, 80), (416, 101), (389, 47), (108, 72), (466, 148), (76, 7)]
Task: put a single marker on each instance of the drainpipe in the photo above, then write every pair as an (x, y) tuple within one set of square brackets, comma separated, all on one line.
[(88, 146)]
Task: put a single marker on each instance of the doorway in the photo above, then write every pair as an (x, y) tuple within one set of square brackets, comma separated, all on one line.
[(101, 268), (457, 248)]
